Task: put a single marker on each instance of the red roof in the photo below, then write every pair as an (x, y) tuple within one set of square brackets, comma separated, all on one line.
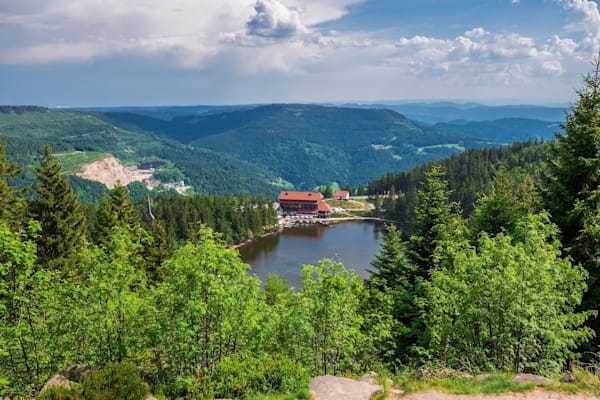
[(324, 207), (300, 196), (341, 193)]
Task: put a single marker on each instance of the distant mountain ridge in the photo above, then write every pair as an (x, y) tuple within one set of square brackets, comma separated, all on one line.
[(307, 144), (261, 148), (26, 129), (436, 112)]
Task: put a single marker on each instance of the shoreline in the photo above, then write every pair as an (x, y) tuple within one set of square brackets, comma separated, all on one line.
[(283, 224)]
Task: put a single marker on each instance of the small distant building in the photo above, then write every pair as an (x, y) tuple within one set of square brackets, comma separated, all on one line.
[(308, 204), (324, 210), (341, 195)]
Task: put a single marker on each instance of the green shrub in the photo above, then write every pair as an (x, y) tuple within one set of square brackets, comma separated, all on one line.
[(236, 377), (58, 393), (117, 381)]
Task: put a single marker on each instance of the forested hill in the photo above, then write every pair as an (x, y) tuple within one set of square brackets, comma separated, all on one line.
[(80, 136), (468, 173), (253, 149), (309, 145), (505, 130)]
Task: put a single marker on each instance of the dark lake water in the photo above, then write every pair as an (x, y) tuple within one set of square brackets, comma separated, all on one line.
[(353, 244)]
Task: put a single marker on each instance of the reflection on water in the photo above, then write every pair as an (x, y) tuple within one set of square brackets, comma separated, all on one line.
[(353, 244)]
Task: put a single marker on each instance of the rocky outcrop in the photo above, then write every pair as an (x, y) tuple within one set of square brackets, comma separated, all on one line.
[(58, 381), (337, 388), (530, 378)]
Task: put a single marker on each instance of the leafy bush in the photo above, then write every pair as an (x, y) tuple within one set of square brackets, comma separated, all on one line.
[(58, 393), (236, 377), (117, 381)]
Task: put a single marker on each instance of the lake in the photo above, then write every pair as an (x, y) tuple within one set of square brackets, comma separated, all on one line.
[(354, 244)]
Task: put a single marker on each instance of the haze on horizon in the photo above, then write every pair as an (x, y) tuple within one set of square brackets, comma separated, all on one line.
[(157, 52)]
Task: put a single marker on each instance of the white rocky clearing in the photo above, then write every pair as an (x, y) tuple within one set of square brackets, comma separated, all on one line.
[(109, 171)]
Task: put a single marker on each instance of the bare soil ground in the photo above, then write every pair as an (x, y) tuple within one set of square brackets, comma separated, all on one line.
[(536, 394), (110, 170)]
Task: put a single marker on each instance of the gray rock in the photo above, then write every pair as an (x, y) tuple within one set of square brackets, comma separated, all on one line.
[(569, 378), (336, 388), (369, 377), (530, 378), (58, 381)]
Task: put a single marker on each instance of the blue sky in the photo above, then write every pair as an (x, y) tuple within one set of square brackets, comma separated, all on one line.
[(153, 52)]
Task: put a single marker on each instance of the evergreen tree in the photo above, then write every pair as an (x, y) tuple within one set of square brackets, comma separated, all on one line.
[(12, 205), (160, 249), (572, 184), (116, 210), (390, 305), (507, 200), (434, 219), (60, 215)]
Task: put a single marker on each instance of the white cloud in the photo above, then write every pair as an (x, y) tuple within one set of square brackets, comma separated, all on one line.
[(253, 37), (585, 19), (275, 20), (188, 32)]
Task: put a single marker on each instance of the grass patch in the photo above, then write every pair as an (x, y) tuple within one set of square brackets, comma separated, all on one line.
[(496, 383), (347, 204), (72, 162), (493, 384), (303, 394)]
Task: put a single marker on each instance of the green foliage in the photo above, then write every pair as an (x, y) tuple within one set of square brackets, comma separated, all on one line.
[(236, 218), (458, 384), (508, 303), (12, 206), (116, 381), (276, 290), (237, 377), (72, 162), (330, 301), (58, 393), (389, 305), (572, 184), (507, 200), (61, 218), (18, 310), (110, 311), (207, 306), (84, 136), (468, 174), (435, 221)]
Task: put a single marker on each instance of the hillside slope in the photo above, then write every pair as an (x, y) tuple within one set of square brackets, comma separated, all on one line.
[(26, 129), (310, 145)]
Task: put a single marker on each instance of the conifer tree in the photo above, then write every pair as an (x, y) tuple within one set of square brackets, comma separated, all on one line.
[(60, 216), (507, 200), (12, 205), (158, 250), (572, 184), (435, 216), (390, 300), (116, 210)]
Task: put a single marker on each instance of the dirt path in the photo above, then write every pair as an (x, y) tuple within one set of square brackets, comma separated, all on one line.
[(536, 394)]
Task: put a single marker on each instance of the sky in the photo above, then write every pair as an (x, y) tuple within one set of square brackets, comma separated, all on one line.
[(183, 52)]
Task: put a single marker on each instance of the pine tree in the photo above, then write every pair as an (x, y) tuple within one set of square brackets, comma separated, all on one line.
[(508, 199), (391, 291), (12, 205), (572, 184), (60, 216), (435, 216), (573, 174), (158, 250), (116, 210)]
